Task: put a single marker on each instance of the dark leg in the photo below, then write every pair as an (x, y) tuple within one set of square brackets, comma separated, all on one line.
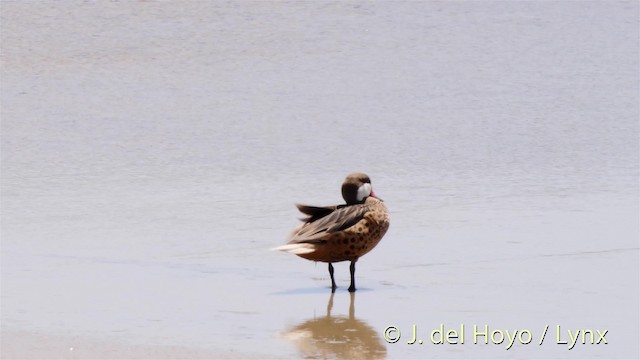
[(352, 269), (333, 281)]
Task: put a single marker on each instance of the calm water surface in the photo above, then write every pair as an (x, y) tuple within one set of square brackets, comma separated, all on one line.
[(152, 153)]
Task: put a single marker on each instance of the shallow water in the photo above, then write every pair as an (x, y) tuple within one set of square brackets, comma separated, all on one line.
[(152, 153)]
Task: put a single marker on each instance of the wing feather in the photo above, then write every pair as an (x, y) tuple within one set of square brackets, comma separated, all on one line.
[(339, 219), (315, 212)]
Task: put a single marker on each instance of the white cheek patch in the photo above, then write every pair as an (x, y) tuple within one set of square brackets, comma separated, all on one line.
[(363, 191)]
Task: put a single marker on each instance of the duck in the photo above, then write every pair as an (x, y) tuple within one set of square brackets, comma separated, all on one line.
[(343, 232)]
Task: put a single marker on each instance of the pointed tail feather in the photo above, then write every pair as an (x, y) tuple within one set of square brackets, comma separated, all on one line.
[(296, 249)]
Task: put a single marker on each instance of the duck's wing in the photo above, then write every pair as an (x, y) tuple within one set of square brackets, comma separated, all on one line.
[(334, 219)]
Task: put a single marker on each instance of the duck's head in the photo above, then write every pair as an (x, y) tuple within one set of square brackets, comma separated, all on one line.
[(356, 188)]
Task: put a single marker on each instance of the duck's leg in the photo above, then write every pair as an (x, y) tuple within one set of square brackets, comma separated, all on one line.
[(333, 281), (352, 270)]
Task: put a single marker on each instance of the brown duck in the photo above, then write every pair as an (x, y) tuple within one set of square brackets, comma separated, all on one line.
[(342, 232)]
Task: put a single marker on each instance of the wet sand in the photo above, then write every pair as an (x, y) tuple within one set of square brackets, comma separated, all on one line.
[(208, 305)]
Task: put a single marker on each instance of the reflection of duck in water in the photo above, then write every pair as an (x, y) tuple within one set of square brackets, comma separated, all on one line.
[(343, 232), (337, 337)]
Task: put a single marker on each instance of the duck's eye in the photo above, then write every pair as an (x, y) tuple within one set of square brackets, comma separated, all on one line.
[(363, 191)]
